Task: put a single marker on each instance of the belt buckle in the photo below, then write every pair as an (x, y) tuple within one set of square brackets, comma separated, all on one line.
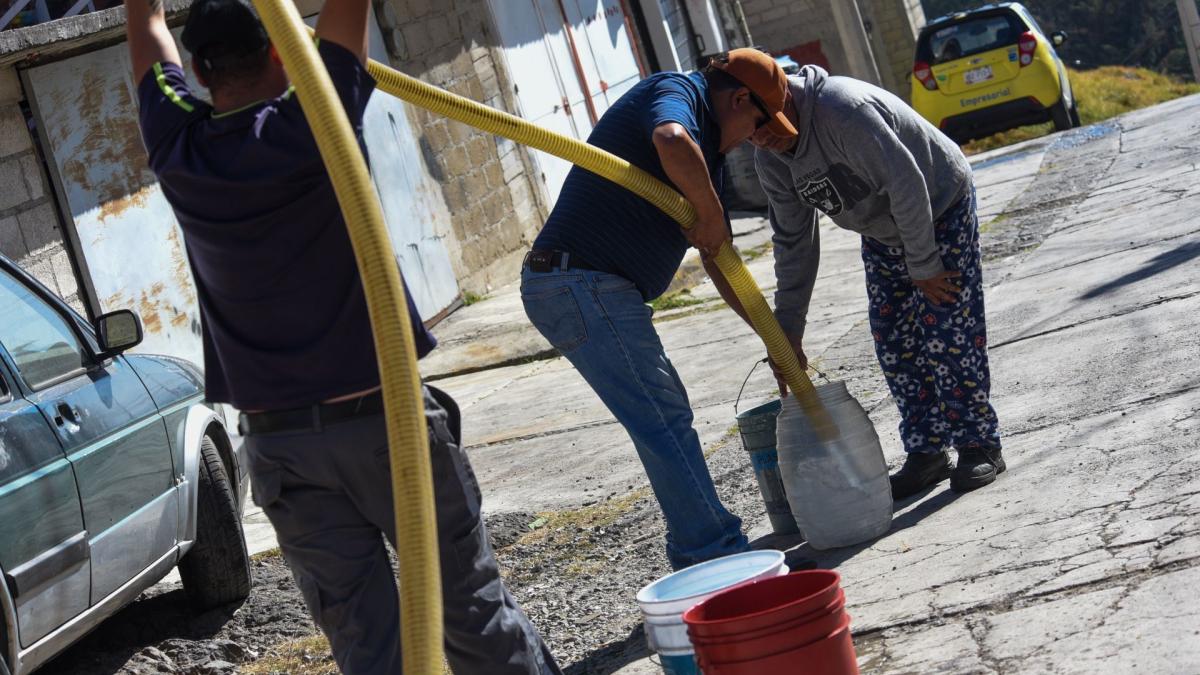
[(540, 261)]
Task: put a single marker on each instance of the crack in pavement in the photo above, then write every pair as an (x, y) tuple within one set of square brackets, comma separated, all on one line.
[(938, 616)]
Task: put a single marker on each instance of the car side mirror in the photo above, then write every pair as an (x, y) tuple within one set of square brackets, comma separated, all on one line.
[(118, 331), (1058, 37)]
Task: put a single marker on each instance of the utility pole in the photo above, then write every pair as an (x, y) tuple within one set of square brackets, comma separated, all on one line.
[(1190, 19)]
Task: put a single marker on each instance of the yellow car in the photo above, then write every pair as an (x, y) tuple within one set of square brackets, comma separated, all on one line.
[(988, 70)]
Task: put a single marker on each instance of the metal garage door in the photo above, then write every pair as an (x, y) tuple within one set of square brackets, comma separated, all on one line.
[(569, 61)]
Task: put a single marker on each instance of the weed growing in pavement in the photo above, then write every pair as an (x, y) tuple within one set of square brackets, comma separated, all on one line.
[(470, 298), (267, 554), (675, 300), (757, 252)]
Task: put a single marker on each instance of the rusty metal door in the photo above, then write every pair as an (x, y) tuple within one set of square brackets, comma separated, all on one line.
[(127, 235), (126, 231)]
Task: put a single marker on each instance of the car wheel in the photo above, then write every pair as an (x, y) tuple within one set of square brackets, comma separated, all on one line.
[(1075, 114), (1061, 114), (217, 569)]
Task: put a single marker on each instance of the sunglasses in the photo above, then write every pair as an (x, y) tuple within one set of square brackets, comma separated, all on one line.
[(767, 116)]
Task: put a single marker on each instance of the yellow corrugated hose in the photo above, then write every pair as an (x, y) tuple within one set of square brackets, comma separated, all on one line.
[(623, 173), (412, 477), (412, 481)]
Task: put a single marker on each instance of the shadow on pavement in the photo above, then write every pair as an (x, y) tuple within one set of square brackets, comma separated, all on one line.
[(1159, 263), (613, 656), (147, 622), (832, 558)]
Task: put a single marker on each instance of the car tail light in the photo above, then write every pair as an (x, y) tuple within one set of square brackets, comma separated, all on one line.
[(924, 73), (1027, 45)]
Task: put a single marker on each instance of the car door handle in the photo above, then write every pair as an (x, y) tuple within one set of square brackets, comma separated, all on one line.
[(66, 411)]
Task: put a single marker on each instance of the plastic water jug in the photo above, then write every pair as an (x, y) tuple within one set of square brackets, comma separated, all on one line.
[(836, 479)]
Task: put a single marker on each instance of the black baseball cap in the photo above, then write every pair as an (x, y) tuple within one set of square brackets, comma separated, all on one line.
[(216, 29)]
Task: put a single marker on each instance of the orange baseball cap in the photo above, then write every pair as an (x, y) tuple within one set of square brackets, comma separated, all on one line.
[(765, 80)]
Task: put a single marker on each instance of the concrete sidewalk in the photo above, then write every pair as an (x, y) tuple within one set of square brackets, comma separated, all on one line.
[(1082, 558)]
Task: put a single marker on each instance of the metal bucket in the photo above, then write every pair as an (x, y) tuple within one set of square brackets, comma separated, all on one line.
[(757, 427), (838, 488)]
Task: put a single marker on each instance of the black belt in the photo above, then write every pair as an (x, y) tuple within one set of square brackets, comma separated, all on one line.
[(545, 260), (310, 418)]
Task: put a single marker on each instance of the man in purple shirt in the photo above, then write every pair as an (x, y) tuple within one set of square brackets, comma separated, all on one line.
[(287, 337)]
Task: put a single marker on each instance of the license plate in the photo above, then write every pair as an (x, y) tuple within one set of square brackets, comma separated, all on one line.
[(978, 75)]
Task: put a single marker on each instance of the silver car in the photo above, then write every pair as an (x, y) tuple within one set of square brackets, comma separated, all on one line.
[(113, 471)]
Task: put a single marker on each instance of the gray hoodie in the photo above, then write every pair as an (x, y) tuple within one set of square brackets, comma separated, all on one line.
[(868, 161)]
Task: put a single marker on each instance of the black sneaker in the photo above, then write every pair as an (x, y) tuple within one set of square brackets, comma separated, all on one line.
[(976, 467), (920, 470)]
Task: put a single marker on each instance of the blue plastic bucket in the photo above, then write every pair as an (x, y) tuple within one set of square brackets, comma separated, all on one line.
[(757, 428)]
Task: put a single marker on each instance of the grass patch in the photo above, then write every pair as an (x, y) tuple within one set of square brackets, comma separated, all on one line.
[(602, 514), (470, 298), (269, 554), (1100, 94), (308, 655), (675, 300)]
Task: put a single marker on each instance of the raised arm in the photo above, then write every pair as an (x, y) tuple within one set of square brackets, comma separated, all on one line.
[(344, 22), (149, 38)]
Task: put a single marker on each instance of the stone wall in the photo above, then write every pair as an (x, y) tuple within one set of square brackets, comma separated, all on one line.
[(30, 232), (488, 184)]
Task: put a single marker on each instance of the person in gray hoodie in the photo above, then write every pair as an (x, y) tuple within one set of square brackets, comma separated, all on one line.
[(872, 164)]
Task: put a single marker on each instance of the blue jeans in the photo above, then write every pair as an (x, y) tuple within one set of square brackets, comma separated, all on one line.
[(935, 357), (602, 325)]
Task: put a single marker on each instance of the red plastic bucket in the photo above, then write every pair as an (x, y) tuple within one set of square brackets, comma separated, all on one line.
[(785, 639), (834, 608), (790, 624), (763, 603), (832, 655)]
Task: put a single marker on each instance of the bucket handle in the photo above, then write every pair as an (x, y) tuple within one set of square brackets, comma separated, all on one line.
[(756, 364)]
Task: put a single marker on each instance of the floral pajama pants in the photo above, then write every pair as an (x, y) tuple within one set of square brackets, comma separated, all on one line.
[(934, 357)]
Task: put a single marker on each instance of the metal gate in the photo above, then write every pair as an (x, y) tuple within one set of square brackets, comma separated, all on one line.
[(569, 61), (126, 232)]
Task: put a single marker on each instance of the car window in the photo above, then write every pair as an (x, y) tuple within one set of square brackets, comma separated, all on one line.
[(39, 340), (972, 35)]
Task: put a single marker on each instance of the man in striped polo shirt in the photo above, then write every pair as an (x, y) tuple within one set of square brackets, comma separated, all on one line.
[(605, 252)]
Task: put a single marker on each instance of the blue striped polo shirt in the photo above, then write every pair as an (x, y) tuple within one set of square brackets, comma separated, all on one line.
[(611, 228)]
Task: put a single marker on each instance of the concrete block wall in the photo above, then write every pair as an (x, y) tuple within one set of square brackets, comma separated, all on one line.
[(894, 25), (488, 183), (780, 25), (30, 232)]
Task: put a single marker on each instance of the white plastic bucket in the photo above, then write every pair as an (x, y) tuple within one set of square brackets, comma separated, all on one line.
[(836, 479), (664, 601)]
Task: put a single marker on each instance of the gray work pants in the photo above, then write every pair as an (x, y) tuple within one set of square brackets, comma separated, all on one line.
[(328, 494)]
